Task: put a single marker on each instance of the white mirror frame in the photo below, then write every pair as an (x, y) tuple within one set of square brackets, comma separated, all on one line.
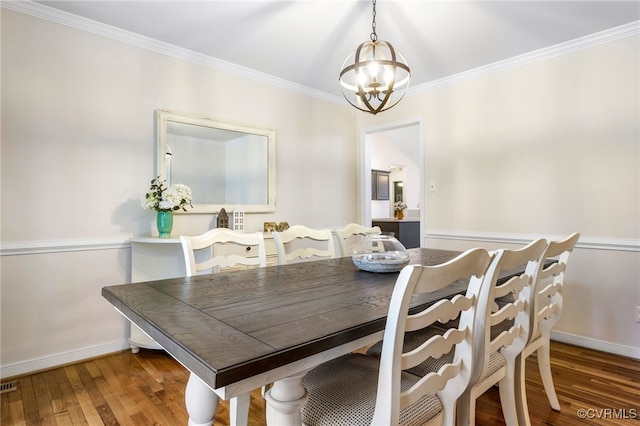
[(162, 168)]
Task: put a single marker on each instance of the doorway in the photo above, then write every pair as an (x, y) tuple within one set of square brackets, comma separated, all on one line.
[(397, 191), (404, 139)]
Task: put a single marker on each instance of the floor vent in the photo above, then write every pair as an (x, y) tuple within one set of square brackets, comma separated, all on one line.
[(8, 387)]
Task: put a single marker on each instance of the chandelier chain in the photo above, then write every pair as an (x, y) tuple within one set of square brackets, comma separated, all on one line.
[(374, 36)]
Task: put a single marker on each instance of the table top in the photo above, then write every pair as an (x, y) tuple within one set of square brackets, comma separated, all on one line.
[(230, 326)]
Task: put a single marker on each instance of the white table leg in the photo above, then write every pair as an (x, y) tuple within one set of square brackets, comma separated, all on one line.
[(284, 400), (201, 402), (239, 410)]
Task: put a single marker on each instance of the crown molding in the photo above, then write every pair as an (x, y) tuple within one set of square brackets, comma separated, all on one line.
[(615, 33), (84, 24), (38, 10)]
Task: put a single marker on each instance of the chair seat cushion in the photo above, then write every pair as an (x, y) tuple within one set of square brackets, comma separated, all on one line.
[(343, 392), (496, 361)]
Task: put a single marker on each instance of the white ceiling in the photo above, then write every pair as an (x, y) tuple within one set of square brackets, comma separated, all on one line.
[(306, 41)]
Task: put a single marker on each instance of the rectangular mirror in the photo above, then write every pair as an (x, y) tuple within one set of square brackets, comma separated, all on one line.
[(224, 164)]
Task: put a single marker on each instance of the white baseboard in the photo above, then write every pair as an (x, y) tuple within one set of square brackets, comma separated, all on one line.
[(598, 345), (58, 360)]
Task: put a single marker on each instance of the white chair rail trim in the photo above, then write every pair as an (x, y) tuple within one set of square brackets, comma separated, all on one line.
[(59, 246), (585, 242), (14, 248)]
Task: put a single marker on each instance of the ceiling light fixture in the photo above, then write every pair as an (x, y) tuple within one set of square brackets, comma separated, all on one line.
[(374, 77)]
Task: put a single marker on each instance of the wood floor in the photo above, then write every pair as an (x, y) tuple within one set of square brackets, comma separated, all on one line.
[(148, 389)]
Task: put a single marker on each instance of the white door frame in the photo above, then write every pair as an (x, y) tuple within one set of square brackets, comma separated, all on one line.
[(365, 168)]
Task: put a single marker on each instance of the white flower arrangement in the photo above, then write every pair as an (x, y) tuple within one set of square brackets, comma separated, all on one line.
[(399, 205), (162, 199)]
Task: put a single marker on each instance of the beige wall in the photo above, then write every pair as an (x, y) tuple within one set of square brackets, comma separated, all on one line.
[(78, 154), (545, 149)]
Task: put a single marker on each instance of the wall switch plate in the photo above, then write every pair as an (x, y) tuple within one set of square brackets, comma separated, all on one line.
[(637, 313)]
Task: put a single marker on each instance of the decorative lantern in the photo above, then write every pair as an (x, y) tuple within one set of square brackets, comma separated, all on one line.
[(223, 219)]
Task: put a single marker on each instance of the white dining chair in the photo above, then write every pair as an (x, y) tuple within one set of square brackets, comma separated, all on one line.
[(301, 243), (350, 235), (357, 389), (496, 353), (222, 248), (207, 247), (546, 306)]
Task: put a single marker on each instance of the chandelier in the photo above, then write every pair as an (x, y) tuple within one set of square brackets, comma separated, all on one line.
[(374, 77)]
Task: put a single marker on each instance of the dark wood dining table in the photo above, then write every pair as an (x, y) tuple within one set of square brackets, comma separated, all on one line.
[(239, 330)]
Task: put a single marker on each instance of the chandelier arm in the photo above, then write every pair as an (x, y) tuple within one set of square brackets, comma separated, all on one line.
[(361, 93), (356, 66), (393, 77)]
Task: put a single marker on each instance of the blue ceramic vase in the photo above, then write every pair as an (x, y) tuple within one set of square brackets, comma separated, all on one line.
[(165, 224)]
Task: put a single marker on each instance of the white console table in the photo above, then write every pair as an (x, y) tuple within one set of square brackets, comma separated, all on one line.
[(154, 258)]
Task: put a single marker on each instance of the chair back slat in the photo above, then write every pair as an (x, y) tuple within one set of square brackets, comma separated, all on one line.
[(221, 238), (549, 290), (300, 243), (437, 345), (432, 383), (350, 235), (505, 339), (442, 311), (552, 270), (513, 285), (507, 312)]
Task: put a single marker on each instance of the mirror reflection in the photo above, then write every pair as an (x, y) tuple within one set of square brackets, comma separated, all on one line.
[(224, 165)]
